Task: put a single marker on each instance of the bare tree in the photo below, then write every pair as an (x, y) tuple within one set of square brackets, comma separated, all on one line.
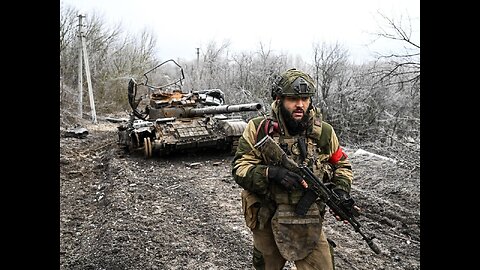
[(114, 56), (401, 68), (243, 63), (329, 61), (389, 88), (67, 54), (212, 57)]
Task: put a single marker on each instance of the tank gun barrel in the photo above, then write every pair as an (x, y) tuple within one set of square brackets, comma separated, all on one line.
[(225, 109)]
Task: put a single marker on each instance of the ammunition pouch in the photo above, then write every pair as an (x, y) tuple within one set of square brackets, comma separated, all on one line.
[(250, 207), (308, 198), (256, 213)]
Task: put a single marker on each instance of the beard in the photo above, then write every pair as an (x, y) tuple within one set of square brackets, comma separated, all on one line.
[(294, 126)]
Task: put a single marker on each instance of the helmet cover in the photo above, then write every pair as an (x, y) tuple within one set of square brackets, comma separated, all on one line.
[(293, 82)]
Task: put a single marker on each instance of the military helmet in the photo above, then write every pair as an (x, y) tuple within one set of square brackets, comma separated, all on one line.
[(293, 82)]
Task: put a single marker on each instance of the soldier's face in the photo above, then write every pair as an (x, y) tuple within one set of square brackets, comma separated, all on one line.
[(296, 106)]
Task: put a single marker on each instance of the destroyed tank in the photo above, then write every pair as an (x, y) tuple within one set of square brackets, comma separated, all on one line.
[(176, 121)]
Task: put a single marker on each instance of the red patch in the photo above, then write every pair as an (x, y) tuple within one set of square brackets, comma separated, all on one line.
[(337, 156)]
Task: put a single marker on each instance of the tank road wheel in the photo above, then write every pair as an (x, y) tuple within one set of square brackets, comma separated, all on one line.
[(147, 143)]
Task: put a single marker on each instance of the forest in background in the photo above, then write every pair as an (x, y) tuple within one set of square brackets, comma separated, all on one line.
[(374, 105)]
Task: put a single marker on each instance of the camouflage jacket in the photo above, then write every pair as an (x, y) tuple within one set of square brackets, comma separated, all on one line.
[(325, 156)]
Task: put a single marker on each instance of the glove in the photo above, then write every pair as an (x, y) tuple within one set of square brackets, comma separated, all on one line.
[(342, 194), (284, 177), (347, 203)]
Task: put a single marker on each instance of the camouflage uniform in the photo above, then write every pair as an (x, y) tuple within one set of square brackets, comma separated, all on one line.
[(278, 234)]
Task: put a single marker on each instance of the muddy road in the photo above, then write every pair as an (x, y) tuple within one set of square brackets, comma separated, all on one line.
[(120, 211)]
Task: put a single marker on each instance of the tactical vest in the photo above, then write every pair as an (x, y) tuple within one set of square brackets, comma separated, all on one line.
[(297, 236), (315, 155)]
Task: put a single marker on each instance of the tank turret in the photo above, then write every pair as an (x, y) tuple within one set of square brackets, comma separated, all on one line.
[(175, 121)]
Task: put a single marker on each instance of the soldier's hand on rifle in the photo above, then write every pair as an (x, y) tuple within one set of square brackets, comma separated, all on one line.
[(343, 195), (284, 177)]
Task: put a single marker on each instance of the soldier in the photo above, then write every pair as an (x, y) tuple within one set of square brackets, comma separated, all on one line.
[(271, 192)]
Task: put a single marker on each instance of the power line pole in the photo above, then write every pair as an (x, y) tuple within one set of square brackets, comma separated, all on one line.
[(198, 55), (83, 51), (197, 79), (80, 76)]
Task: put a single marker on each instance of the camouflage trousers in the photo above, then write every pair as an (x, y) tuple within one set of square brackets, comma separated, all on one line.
[(266, 255)]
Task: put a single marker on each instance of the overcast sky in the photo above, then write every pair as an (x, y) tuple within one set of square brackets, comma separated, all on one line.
[(283, 26)]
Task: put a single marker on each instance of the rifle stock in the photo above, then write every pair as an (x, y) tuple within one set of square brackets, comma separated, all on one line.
[(275, 155)]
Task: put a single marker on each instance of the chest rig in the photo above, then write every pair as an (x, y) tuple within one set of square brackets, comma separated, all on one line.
[(304, 150), (297, 236)]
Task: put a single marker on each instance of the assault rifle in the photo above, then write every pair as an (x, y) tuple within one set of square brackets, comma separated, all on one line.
[(342, 207)]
